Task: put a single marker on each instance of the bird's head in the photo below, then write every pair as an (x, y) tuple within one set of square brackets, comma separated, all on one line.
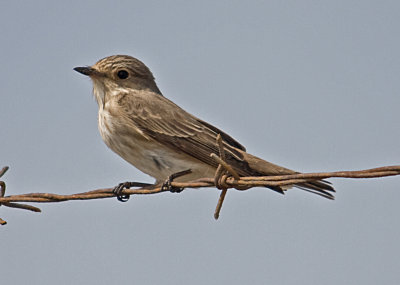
[(118, 73)]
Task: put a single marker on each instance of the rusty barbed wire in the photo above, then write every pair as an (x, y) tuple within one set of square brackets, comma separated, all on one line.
[(225, 178), (229, 182)]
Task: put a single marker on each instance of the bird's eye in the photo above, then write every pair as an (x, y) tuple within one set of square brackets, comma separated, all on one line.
[(122, 74)]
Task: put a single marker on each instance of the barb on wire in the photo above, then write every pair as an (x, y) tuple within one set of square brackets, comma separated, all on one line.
[(221, 174), (224, 179)]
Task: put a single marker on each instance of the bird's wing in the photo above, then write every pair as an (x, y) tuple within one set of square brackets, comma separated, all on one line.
[(164, 121)]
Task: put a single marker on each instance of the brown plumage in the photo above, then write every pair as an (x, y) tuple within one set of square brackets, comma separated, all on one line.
[(160, 138)]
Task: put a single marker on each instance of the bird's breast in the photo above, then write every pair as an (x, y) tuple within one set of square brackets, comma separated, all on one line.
[(148, 155)]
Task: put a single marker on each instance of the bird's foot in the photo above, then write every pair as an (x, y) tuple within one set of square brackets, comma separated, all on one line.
[(118, 191), (126, 185), (167, 185)]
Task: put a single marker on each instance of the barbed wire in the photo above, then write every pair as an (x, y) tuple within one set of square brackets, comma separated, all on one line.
[(225, 178)]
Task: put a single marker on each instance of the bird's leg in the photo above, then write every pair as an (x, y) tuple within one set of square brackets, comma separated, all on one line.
[(166, 186), (126, 185)]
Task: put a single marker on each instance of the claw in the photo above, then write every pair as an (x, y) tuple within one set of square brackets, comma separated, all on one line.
[(126, 185), (167, 184), (168, 187), (118, 190)]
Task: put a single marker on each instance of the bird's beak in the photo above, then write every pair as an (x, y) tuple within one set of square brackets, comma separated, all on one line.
[(86, 70)]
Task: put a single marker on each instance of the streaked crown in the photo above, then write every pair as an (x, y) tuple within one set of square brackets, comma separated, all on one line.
[(116, 63)]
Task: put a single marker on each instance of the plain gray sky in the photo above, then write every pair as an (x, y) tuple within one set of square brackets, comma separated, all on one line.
[(311, 85)]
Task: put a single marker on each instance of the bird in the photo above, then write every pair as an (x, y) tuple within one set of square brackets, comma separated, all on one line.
[(160, 138)]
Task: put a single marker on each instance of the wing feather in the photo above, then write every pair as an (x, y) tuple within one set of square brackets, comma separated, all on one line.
[(164, 121)]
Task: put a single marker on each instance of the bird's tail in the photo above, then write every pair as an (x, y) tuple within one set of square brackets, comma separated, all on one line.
[(260, 167)]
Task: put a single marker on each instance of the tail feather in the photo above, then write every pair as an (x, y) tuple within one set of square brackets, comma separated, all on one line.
[(319, 187), (259, 167)]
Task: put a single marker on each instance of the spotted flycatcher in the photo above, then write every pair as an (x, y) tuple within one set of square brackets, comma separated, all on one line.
[(158, 137)]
